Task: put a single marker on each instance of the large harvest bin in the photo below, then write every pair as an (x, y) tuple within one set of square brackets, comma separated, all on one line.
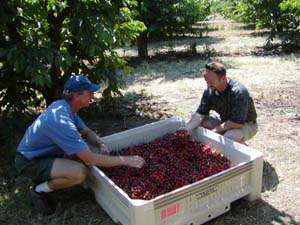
[(189, 205)]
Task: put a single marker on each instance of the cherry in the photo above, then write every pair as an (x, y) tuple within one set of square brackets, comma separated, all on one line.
[(172, 161)]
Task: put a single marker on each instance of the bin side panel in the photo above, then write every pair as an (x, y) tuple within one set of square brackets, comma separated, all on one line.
[(204, 203), (142, 134)]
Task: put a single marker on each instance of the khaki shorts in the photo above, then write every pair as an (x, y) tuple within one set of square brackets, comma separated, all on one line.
[(249, 129), (38, 169)]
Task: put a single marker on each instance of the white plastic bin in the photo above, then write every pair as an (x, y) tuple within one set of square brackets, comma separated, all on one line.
[(192, 204)]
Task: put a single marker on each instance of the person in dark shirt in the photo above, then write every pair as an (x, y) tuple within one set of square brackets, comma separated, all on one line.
[(226, 106)]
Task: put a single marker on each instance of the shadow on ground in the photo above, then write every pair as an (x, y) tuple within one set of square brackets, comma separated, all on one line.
[(249, 213), (77, 205), (270, 178)]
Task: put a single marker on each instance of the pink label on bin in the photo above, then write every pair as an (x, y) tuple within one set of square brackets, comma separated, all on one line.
[(171, 210)]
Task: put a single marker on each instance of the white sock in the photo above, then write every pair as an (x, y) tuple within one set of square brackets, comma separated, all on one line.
[(43, 187)]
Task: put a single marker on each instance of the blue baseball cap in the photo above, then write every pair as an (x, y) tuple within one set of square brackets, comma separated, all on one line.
[(79, 83)]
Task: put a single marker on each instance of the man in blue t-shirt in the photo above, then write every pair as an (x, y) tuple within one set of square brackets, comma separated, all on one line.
[(47, 149), (235, 113)]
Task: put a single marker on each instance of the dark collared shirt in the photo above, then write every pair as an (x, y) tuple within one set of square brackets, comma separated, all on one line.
[(234, 104)]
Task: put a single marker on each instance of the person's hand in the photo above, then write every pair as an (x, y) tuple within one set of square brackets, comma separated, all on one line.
[(214, 130), (182, 128), (182, 131), (135, 161)]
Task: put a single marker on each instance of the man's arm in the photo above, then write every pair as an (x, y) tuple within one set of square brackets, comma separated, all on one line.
[(94, 159), (202, 110), (91, 137), (194, 121), (227, 125)]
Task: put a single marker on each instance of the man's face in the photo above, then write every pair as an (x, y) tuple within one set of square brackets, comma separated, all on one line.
[(212, 80), (84, 98)]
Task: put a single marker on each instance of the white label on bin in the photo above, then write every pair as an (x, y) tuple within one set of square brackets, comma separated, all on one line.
[(207, 192), (169, 211)]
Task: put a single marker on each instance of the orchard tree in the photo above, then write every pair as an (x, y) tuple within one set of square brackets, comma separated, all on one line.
[(291, 12), (282, 17), (168, 18), (44, 42)]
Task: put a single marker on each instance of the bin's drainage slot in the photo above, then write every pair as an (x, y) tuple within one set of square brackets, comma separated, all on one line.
[(226, 207), (209, 215)]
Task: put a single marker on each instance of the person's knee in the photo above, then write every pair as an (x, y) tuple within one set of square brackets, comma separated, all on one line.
[(234, 135), (80, 174)]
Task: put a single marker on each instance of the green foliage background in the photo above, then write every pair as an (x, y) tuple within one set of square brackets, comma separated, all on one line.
[(282, 17), (172, 17), (44, 42)]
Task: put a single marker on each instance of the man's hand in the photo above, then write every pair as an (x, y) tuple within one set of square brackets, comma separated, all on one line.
[(183, 129), (181, 133), (194, 122), (134, 161), (217, 130)]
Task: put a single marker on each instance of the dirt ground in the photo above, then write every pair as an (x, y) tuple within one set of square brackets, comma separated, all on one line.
[(173, 86)]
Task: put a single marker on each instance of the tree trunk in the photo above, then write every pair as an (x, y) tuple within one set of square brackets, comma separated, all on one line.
[(52, 94), (142, 43)]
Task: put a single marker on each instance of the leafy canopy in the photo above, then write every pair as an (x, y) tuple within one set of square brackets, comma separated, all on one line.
[(282, 17), (172, 17), (43, 42)]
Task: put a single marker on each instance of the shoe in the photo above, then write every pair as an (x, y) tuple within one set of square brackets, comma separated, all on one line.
[(40, 201)]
